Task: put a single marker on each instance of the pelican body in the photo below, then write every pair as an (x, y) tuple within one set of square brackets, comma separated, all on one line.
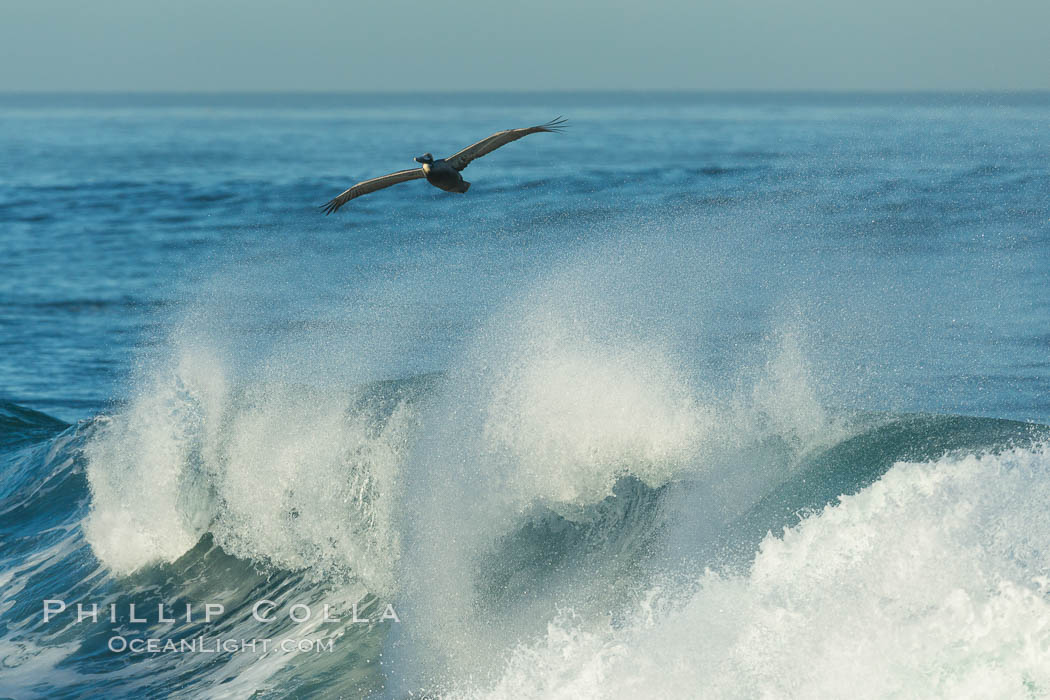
[(443, 173)]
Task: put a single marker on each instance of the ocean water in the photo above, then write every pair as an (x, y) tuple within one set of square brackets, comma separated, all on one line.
[(711, 396)]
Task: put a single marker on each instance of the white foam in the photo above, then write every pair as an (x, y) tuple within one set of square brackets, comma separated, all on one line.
[(931, 583), (279, 473), (149, 467)]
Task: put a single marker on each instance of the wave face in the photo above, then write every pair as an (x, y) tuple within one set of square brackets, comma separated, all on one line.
[(931, 582)]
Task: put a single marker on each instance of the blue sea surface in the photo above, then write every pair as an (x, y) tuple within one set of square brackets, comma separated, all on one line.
[(933, 208), (627, 354)]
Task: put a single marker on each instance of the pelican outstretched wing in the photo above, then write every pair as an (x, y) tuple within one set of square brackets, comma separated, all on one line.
[(376, 183), (500, 138)]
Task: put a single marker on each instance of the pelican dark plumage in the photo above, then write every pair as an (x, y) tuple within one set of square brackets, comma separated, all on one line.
[(443, 173)]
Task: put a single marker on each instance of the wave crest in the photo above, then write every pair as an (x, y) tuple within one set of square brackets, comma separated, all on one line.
[(279, 473)]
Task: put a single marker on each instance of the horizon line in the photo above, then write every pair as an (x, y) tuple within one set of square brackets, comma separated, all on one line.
[(536, 91)]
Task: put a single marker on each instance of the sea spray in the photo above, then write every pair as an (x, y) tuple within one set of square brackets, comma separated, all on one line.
[(282, 474), (555, 406)]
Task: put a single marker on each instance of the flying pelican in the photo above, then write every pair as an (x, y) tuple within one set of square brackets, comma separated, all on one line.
[(443, 173)]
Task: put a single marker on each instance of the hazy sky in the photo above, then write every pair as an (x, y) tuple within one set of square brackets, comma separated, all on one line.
[(525, 44)]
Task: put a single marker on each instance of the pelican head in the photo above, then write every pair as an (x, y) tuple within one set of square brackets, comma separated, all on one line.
[(426, 159)]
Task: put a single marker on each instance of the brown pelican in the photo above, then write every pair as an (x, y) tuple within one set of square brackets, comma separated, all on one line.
[(443, 173)]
